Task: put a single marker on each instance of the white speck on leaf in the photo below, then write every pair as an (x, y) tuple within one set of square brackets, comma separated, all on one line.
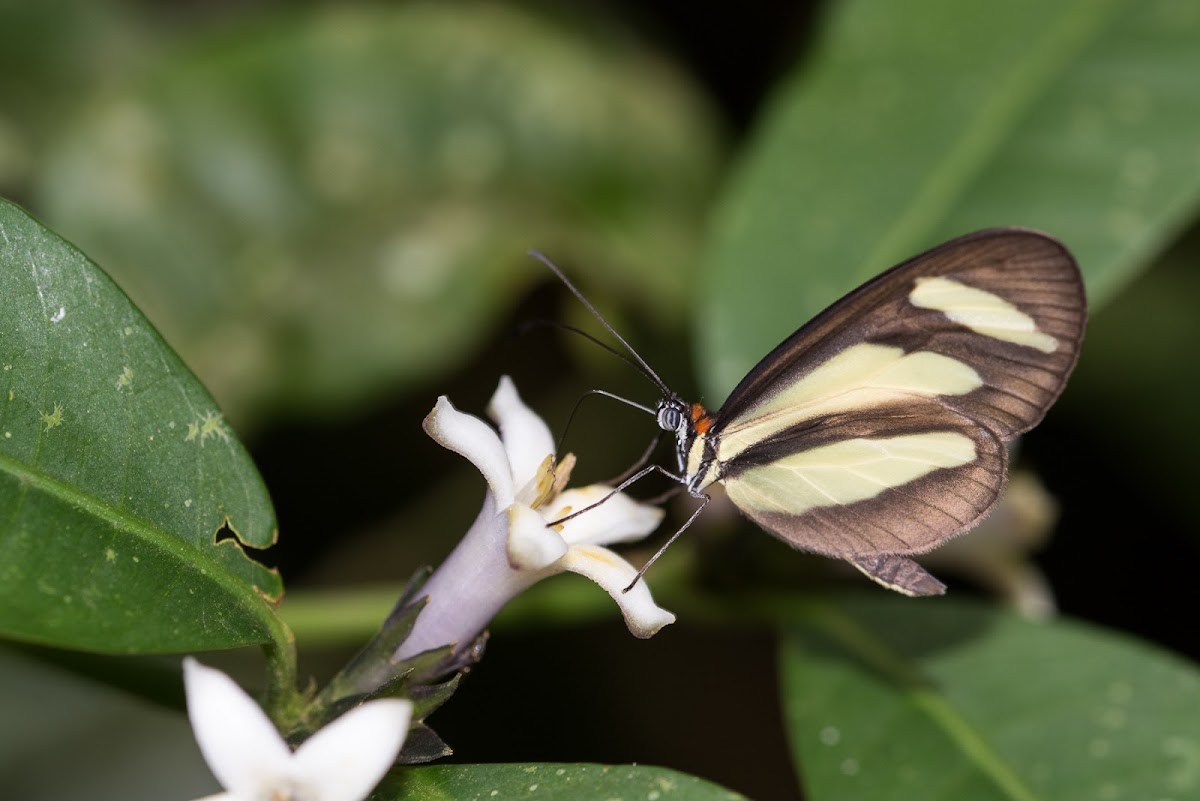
[(1113, 718), (850, 767), (1120, 692), (830, 735), (58, 315), (1124, 222)]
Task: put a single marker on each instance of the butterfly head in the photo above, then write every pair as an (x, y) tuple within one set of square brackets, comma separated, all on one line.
[(686, 421)]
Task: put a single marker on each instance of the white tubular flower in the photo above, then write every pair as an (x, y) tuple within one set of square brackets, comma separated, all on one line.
[(341, 762), (510, 547)]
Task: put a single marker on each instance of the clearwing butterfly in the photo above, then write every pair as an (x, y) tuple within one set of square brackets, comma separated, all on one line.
[(877, 430)]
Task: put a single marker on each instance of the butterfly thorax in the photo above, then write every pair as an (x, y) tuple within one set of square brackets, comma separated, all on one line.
[(695, 449)]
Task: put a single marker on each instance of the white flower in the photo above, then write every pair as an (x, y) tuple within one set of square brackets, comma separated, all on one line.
[(341, 762), (510, 547)]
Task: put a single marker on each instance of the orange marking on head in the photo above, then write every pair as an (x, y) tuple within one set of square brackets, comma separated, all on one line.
[(700, 419)]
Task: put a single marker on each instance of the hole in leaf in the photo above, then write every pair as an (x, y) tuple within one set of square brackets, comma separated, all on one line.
[(264, 556)]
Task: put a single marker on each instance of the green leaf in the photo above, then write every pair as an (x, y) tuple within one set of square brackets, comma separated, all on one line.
[(116, 472), (338, 202), (912, 123), (547, 782), (891, 699)]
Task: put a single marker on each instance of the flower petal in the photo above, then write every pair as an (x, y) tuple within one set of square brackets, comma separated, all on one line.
[(347, 758), (474, 439), (618, 519), (643, 617), (527, 438), (469, 588), (238, 740), (532, 545)]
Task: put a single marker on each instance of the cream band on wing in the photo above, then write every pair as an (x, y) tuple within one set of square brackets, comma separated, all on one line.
[(862, 377), (982, 312), (846, 472)]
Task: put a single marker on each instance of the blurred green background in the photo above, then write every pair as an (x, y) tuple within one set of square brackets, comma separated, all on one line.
[(325, 209)]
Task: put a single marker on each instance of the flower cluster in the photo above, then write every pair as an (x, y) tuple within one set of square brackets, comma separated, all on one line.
[(512, 544)]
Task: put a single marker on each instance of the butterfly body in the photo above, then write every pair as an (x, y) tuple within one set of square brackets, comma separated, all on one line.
[(877, 431)]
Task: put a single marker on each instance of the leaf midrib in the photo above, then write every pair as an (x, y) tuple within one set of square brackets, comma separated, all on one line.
[(216, 570), (862, 643)]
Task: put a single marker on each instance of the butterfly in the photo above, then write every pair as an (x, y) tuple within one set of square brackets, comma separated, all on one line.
[(878, 430)]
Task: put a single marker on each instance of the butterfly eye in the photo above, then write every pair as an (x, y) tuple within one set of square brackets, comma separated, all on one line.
[(670, 417)]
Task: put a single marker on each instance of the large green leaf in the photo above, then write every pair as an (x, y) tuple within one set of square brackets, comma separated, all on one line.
[(117, 472), (548, 781), (335, 202), (891, 699), (913, 122)]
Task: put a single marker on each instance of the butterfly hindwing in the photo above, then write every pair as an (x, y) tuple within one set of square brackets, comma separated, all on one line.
[(898, 481)]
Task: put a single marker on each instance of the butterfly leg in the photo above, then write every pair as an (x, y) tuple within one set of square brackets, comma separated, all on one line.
[(645, 471), (706, 498), (898, 573)]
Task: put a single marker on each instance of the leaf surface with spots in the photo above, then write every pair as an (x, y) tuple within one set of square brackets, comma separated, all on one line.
[(117, 472)]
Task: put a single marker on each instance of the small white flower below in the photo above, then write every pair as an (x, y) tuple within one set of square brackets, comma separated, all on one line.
[(341, 762)]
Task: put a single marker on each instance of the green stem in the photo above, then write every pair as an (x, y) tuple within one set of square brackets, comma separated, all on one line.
[(282, 699)]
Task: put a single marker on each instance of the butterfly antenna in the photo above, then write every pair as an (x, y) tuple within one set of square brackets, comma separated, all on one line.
[(575, 409), (645, 368), (525, 326)]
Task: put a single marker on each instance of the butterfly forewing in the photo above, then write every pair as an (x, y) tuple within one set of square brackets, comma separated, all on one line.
[(1031, 282), (878, 428)]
